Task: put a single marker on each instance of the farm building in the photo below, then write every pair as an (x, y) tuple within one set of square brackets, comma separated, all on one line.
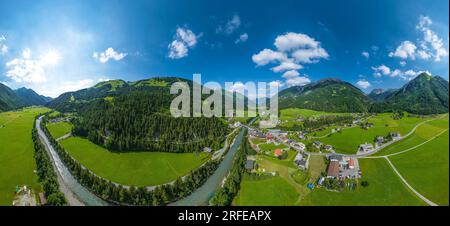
[(365, 147), (333, 169)]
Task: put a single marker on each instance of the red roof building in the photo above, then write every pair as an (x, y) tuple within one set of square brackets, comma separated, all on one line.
[(278, 152)]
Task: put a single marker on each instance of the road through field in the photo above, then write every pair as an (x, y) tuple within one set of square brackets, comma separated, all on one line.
[(408, 185)]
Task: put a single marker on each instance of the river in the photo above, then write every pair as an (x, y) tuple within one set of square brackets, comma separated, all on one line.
[(74, 191), (204, 193)]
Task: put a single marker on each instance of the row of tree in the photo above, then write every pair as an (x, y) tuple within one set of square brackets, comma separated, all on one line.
[(121, 195), (46, 174), (224, 196)]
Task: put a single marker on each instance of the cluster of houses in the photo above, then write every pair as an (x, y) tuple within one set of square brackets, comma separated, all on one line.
[(379, 140), (343, 167)]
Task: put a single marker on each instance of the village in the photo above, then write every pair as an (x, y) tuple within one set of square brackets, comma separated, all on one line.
[(297, 147)]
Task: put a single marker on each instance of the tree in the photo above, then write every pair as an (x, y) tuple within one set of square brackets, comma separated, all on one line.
[(56, 199)]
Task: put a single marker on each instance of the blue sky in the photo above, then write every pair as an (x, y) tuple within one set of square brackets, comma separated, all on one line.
[(58, 46)]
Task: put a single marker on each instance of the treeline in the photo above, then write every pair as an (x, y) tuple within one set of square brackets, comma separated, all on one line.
[(121, 195), (46, 174), (140, 121), (224, 196)]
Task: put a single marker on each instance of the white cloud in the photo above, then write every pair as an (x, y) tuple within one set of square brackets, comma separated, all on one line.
[(365, 54), (293, 50), (268, 56), (423, 54), (363, 84), (287, 65), (242, 38), (232, 24), (381, 70), (109, 54), (405, 50), (26, 53), (3, 47), (291, 74), (297, 81), (291, 40), (177, 49), (431, 40), (27, 70), (183, 41), (308, 56), (402, 63)]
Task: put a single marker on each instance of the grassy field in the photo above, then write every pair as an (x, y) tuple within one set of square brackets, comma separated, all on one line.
[(59, 129), (136, 168), (16, 152), (422, 134), (270, 191), (426, 168), (294, 113), (385, 188), (348, 140), (271, 147)]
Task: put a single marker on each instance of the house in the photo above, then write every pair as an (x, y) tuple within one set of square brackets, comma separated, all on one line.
[(274, 132), (351, 163), (207, 149), (333, 169), (299, 146), (379, 139), (328, 147), (301, 164), (301, 136), (269, 136), (335, 158), (278, 152), (317, 144), (394, 135), (300, 161), (249, 164), (365, 147)]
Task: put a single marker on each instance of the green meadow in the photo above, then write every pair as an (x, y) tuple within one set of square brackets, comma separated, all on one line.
[(426, 168), (16, 152), (348, 140), (294, 113), (385, 189), (266, 191), (423, 133), (59, 129), (133, 168)]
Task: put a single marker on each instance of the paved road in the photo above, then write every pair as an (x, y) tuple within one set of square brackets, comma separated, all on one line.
[(409, 186)]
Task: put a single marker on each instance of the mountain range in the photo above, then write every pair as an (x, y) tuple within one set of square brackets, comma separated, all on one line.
[(22, 97), (425, 94)]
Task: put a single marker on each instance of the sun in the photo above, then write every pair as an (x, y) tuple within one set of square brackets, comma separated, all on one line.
[(51, 57)]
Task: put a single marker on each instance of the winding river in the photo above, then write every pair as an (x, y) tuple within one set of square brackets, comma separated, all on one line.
[(77, 194)]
